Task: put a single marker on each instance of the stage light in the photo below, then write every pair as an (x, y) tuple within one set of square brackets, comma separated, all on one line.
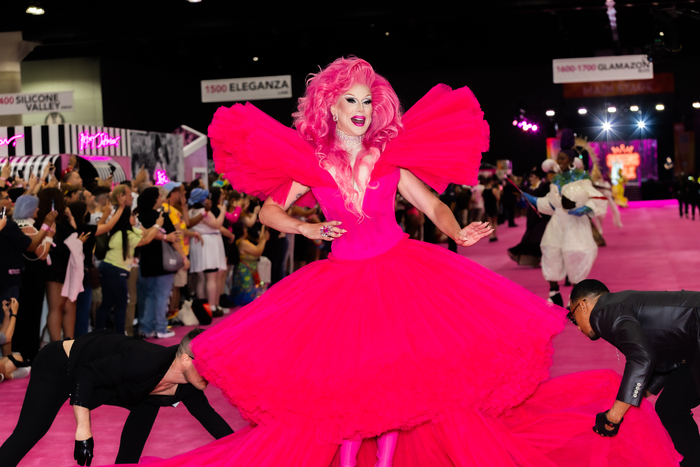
[(534, 127), (550, 113), (582, 111), (607, 126), (255, 59), (634, 108), (612, 109), (661, 33), (696, 105), (515, 123), (660, 107), (194, 1), (640, 124)]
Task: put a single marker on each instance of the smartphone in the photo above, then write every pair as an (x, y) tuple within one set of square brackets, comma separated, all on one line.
[(31, 169), (112, 169), (20, 173), (52, 206), (2, 214)]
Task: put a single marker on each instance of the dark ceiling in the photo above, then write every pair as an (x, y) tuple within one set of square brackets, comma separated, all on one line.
[(215, 34)]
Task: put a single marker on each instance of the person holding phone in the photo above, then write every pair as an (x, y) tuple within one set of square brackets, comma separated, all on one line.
[(18, 238), (209, 256)]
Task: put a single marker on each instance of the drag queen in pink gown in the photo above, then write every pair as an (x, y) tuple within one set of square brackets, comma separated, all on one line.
[(398, 349)]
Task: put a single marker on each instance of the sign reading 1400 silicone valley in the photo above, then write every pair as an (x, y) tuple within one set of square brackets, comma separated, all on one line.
[(586, 70), (247, 89), (18, 103)]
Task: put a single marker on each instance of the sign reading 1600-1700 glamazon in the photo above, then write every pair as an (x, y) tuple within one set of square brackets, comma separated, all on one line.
[(247, 89), (18, 103), (617, 68)]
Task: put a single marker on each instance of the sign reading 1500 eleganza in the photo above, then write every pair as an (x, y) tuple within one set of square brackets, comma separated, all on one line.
[(18, 103), (585, 70), (247, 89)]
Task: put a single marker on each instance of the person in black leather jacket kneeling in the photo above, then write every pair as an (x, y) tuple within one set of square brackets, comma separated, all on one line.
[(659, 335)]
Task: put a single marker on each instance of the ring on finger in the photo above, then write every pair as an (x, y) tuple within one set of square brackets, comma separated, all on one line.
[(326, 230)]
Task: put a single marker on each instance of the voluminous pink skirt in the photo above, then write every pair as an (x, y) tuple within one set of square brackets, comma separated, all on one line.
[(419, 339)]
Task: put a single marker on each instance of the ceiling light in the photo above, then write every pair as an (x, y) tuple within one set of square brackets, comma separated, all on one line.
[(582, 111), (255, 59), (661, 33), (194, 1), (612, 109), (660, 107), (634, 108), (35, 10), (696, 105), (550, 113), (386, 33)]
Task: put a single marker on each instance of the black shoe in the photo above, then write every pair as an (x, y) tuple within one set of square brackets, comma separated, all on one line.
[(226, 302), (217, 313), (493, 239), (566, 281), (556, 298)]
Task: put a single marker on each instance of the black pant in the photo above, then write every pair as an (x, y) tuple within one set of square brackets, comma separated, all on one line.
[(48, 389), (674, 407)]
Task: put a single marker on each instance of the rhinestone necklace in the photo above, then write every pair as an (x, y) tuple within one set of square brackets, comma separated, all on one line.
[(347, 139)]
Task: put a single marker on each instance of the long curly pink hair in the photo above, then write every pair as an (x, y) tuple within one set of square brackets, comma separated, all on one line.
[(314, 123)]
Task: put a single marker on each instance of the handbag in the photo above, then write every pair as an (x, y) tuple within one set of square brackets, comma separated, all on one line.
[(172, 260)]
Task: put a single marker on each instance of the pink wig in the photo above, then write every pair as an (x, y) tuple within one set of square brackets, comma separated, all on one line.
[(314, 123)]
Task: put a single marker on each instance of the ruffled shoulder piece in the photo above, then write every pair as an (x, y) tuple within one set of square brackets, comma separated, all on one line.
[(260, 156), (443, 138), (571, 176)]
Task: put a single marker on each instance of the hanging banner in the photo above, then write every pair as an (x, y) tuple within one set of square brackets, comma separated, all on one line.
[(247, 89), (19, 104), (662, 83), (591, 69)]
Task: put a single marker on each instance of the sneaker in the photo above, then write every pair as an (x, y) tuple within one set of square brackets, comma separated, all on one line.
[(165, 335), (555, 297), (218, 312), (21, 372)]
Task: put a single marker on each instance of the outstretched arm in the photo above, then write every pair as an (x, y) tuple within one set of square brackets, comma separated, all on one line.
[(422, 198)]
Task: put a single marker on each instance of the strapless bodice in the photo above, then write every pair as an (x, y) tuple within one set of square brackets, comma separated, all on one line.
[(377, 232)]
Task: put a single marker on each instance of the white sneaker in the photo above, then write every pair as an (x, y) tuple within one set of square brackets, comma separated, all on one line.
[(21, 372), (165, 335)]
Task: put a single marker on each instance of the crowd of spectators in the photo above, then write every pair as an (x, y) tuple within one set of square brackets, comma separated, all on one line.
[(80, 255)]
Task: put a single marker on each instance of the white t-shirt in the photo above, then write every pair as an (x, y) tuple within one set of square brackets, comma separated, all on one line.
[(477, 201)]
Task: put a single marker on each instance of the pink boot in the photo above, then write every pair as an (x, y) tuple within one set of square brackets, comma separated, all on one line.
[(348, 453), (386, 445)]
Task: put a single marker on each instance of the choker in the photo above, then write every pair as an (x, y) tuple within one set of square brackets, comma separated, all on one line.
[(22, 223), (347, 139)]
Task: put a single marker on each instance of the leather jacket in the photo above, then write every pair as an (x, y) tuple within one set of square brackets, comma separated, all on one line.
[(656, 331)]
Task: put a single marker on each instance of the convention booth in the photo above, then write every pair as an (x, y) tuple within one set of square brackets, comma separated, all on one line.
[(105, 151)]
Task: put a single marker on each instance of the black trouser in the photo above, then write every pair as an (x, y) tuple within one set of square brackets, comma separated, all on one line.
[(674, 407), (48, 389)]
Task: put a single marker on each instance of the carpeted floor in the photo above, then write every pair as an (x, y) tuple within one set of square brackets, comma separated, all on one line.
[(654, 251)]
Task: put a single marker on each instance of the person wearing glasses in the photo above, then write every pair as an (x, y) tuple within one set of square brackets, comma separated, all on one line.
[(104, 368), (658, 334)]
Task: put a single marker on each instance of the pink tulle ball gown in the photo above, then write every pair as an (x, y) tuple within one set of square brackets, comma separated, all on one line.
[(391, 333)]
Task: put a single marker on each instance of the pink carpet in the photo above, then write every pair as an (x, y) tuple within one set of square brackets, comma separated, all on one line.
[(654, 251)]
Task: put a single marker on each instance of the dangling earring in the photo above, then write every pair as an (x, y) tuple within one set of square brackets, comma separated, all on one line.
[(335, 117)]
